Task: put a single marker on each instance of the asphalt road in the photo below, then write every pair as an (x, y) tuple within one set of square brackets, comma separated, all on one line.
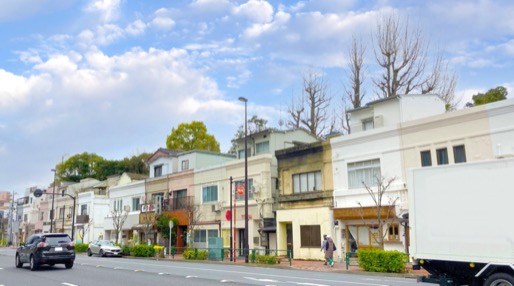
[(105, 271)]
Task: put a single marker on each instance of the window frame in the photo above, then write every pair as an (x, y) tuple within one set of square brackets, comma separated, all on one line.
[(426, 158), (361, 170), (262, 147), (442, 156), (395, 229), (157, 171), (310, 236), (459, 154), (209, 188), (303, 182), (185, 165)]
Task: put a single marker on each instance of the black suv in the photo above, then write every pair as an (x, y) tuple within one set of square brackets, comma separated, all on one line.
[(46, 248)]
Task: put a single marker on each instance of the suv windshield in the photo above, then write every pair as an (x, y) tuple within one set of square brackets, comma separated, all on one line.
[(57, 239)]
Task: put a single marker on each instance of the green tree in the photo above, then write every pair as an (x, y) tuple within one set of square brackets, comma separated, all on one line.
[(192, 136), (89, 165), (492, 95), (80, 166)]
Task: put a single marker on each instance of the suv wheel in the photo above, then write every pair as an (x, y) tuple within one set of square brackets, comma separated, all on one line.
[(33, 263), (68, 265), (101, 253), (89, 253), (17, 261)]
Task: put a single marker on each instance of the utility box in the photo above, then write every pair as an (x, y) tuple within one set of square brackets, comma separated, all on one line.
[(215, 248)]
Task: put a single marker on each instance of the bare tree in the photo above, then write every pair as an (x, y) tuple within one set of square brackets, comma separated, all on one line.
[(118, 219), (353, 91), (193, 215), (355, 73), (311, 110), (81, 233), (384, 210)]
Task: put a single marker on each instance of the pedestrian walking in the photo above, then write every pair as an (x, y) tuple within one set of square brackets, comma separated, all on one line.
[(329, 251), (324, 247)]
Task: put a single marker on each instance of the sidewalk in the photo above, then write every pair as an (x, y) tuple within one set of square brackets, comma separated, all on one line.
[(312, 265)]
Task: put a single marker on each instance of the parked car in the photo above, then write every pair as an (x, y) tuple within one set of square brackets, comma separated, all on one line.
[(46, 248), (103, 248)]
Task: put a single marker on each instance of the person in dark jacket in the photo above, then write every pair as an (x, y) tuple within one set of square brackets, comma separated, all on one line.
[(329, 251)]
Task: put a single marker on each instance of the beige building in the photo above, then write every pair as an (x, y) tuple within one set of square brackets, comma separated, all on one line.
[(305, 199)]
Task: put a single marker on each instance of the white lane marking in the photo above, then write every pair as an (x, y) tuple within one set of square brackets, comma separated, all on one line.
[(161, 273), (310, 284), (69, 284), (222, 281), (247, 273), (260, 279), (191, 276)]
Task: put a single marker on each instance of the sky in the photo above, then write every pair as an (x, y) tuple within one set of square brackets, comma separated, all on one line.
[(113, 77)]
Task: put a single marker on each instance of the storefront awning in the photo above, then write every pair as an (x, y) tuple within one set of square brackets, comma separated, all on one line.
[(364, 213)]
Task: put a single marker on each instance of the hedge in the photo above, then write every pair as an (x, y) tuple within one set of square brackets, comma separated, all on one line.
[(377, 260)]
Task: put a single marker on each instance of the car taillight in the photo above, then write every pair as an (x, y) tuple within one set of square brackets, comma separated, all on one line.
[(72, 243), (42, 244)]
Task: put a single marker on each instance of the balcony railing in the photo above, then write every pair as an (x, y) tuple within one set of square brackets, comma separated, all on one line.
[(177, 203)]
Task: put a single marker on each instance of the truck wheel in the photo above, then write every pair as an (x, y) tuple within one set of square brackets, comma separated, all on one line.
[(499, 279)]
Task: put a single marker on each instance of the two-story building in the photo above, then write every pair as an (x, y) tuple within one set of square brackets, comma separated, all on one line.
[(391, 135)]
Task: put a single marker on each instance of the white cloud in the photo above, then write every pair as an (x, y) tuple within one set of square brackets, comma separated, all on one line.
[(108, 9), (15, 90), (163, 20), (259, 11), (136, 28)]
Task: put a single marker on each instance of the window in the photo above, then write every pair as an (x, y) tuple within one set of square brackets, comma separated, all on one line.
[(200, 235), (135, 203), (310, 236), (367, 124), (262, 147), (157, 170), (426, 158), (61, 212), (363, 172), (393, 233), (41, 215), (459, 154), (185, 164), (210, 194), (241, 153), (212, 233), (242, 182), (83, 209), (442, 156), (307, 182), (118, 205)]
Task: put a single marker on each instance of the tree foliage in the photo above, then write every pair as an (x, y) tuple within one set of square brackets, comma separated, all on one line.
[(494, 94), (254, 124), (192, 136), (90, 165)]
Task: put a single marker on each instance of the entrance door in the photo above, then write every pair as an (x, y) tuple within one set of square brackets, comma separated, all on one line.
[(289, 235), (241, 242)]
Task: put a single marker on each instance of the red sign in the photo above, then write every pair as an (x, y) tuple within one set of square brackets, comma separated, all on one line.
[(228, 215), (240, 189)]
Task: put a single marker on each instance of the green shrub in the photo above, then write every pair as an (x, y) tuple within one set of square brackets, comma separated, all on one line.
[(81, 247), (125, 249), (266, 259), (195, 254), (377, 260), (142, 250)]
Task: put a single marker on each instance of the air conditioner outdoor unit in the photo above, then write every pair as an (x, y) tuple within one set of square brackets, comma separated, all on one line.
[(126, 208), (68, 216), (215, 208), (144, 208)]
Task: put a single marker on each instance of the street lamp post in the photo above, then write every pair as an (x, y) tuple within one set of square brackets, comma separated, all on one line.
[(52, 210), (246, 246)]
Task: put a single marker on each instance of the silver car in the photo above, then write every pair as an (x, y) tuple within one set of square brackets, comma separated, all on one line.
[(103, 248)]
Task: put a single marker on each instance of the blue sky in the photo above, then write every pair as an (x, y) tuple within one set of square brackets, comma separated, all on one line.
[(112, 77)]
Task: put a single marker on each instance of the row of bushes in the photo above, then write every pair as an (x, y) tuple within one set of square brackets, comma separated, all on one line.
[(377, 260), (140, 250)]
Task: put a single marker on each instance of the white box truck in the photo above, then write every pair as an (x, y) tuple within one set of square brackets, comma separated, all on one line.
[(461, 222)]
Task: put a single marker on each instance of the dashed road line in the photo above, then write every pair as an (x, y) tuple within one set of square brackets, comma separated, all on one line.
[(68, 284)]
